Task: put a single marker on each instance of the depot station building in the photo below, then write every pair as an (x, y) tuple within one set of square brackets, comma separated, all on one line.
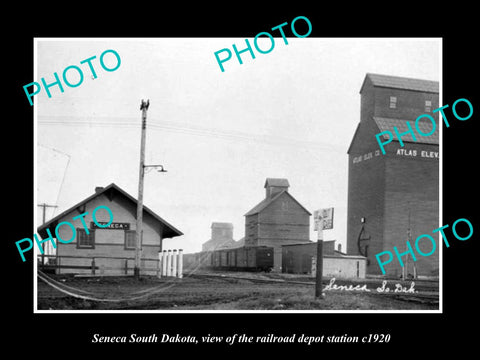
[(394, 197), (107, 250)]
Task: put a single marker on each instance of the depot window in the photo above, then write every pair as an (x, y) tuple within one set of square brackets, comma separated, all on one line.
[(84, 240), (393, 102), (130, 236)]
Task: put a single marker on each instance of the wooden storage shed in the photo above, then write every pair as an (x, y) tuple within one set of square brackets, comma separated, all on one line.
[(301, 259)]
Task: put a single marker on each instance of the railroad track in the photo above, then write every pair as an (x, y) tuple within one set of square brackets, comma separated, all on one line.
[(430, 296)]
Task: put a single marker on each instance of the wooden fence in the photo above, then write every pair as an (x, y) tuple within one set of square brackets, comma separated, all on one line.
[(96, 266)]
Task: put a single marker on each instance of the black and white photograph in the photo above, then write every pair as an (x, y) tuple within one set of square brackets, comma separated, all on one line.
[(227, 167)]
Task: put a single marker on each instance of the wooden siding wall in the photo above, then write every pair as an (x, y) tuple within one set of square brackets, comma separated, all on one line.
[(282, 222), (382, 189)]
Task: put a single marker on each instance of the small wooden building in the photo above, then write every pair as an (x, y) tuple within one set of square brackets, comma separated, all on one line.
[(301, 259), (107, 250), (277, 220)]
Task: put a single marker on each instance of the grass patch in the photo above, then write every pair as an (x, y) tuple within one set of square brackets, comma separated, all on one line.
[(215, 294)]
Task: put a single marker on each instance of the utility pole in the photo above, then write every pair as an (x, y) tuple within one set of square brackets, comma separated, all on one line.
[(44, 206), (319, 270), (409, 233), (323, 221), (136, 271), (409, 238)]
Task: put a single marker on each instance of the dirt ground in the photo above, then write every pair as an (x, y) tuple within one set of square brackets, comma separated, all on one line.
[(246, 291)]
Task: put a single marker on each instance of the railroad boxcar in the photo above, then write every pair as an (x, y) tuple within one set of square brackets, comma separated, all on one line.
[(257, 258), (215, 259), (264, 258), (231, 258)]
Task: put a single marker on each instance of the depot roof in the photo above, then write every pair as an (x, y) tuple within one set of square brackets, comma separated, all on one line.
[(168, 231)]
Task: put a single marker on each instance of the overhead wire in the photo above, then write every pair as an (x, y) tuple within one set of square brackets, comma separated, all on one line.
[(70, 290), (189, 129), (145, 293)]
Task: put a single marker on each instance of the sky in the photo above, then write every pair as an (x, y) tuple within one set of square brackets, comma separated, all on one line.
[(290, 114)]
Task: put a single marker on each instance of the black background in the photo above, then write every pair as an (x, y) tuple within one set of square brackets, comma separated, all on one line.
[(411, 334)]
